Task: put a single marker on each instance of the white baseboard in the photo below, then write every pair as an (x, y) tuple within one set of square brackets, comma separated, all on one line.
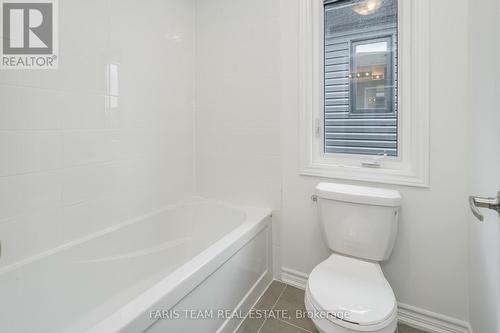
[(430, 321), (294, 278), (409, 315)]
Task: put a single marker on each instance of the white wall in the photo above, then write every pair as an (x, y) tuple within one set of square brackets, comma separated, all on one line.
[(485, 159), (238, 103), (428, 268), (239, 127), (70, 161)]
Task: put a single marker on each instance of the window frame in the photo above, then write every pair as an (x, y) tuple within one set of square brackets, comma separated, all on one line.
[(352, 66), (411, 166)]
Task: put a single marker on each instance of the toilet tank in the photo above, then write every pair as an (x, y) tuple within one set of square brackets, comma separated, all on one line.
[(359, 221)]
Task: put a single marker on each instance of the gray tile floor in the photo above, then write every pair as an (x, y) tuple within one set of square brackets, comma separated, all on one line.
[(285, 299)]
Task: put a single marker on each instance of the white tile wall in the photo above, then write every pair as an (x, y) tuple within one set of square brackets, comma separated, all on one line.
[(238, 103), (78, 152)]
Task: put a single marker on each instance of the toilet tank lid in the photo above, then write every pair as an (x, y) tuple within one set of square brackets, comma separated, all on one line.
[(359, 194)]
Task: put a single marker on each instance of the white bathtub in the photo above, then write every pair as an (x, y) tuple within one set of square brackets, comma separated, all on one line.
[(195, 256)]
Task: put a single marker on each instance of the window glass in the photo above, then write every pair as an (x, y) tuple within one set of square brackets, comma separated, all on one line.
[(361, 77)]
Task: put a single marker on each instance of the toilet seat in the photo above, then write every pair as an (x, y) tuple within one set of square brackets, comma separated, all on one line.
[(355, 287)]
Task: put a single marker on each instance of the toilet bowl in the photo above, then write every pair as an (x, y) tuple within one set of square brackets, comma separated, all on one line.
[(344, 294), (348, 292)]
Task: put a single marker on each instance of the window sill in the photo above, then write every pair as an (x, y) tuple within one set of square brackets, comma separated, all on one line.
[(374, 175)]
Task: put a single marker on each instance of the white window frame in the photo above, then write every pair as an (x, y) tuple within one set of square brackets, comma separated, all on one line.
[(411, 167)]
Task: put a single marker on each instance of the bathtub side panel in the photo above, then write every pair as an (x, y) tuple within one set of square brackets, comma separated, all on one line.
[(233, 286)]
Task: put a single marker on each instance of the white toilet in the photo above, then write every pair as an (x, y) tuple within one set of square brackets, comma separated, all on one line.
[(348, 292)]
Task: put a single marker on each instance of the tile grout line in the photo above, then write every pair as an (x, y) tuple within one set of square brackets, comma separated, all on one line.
[(292, 324), (274, 305), (284, 321), (279, 297)]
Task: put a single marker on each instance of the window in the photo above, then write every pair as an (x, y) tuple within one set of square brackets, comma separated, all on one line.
[(364, 90), (360, 55)]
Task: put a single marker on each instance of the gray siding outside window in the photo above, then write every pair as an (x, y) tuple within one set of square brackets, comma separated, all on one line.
[(346, 131)]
